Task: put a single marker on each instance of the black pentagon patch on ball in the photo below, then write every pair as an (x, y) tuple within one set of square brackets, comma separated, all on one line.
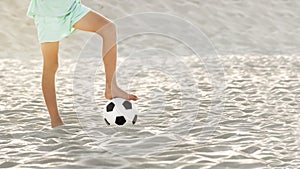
[(134, 119), (120, 120), (127, 105), (106, 121), (110, 107)]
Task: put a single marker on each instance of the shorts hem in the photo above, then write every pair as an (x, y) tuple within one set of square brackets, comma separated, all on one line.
[(80, 17), (44, 35)]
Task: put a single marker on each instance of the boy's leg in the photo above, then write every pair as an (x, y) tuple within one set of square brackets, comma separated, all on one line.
[(50, 55), (94, 22)]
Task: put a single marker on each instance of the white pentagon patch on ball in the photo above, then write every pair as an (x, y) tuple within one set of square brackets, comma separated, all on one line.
[(120, 112)]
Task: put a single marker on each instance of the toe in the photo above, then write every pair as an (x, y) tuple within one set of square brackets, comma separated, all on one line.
[(133, 97)]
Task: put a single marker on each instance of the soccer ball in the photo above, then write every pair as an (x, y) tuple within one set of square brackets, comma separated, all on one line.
[(119, 112)]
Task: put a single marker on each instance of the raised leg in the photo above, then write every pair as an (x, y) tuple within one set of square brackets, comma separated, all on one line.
[(94, 22), (50, 55)]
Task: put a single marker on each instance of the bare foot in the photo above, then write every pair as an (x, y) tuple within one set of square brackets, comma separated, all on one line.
[(56, 123), (117, 92)]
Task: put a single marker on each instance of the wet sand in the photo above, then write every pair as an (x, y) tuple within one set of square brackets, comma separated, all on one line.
[(177, 127), (259, 127)]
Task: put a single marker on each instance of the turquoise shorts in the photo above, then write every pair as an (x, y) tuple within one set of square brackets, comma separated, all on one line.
[(53, 29)]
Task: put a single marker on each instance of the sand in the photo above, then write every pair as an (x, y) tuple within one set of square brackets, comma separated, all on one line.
[(256, 63)]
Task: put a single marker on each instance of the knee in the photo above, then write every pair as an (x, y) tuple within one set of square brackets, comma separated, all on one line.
[(108, 30)]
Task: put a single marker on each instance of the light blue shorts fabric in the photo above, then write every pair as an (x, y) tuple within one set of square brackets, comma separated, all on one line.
[(52, 29)]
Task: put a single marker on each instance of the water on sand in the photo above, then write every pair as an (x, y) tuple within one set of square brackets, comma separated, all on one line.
[(259, 127)]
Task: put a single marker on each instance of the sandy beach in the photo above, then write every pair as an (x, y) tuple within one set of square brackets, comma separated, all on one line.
[(234, 105)]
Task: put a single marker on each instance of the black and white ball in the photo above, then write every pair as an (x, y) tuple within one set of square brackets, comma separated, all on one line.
[(119, 112)]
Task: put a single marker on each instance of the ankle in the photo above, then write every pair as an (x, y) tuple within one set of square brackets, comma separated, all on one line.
[(56, 124), (55, 118), (111, 85)]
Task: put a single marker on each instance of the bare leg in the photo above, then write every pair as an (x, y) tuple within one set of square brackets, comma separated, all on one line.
[(50, 54), (94, 22)]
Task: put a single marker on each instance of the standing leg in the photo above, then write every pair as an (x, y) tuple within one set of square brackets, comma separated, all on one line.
[(50, 54), (94, 22)]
